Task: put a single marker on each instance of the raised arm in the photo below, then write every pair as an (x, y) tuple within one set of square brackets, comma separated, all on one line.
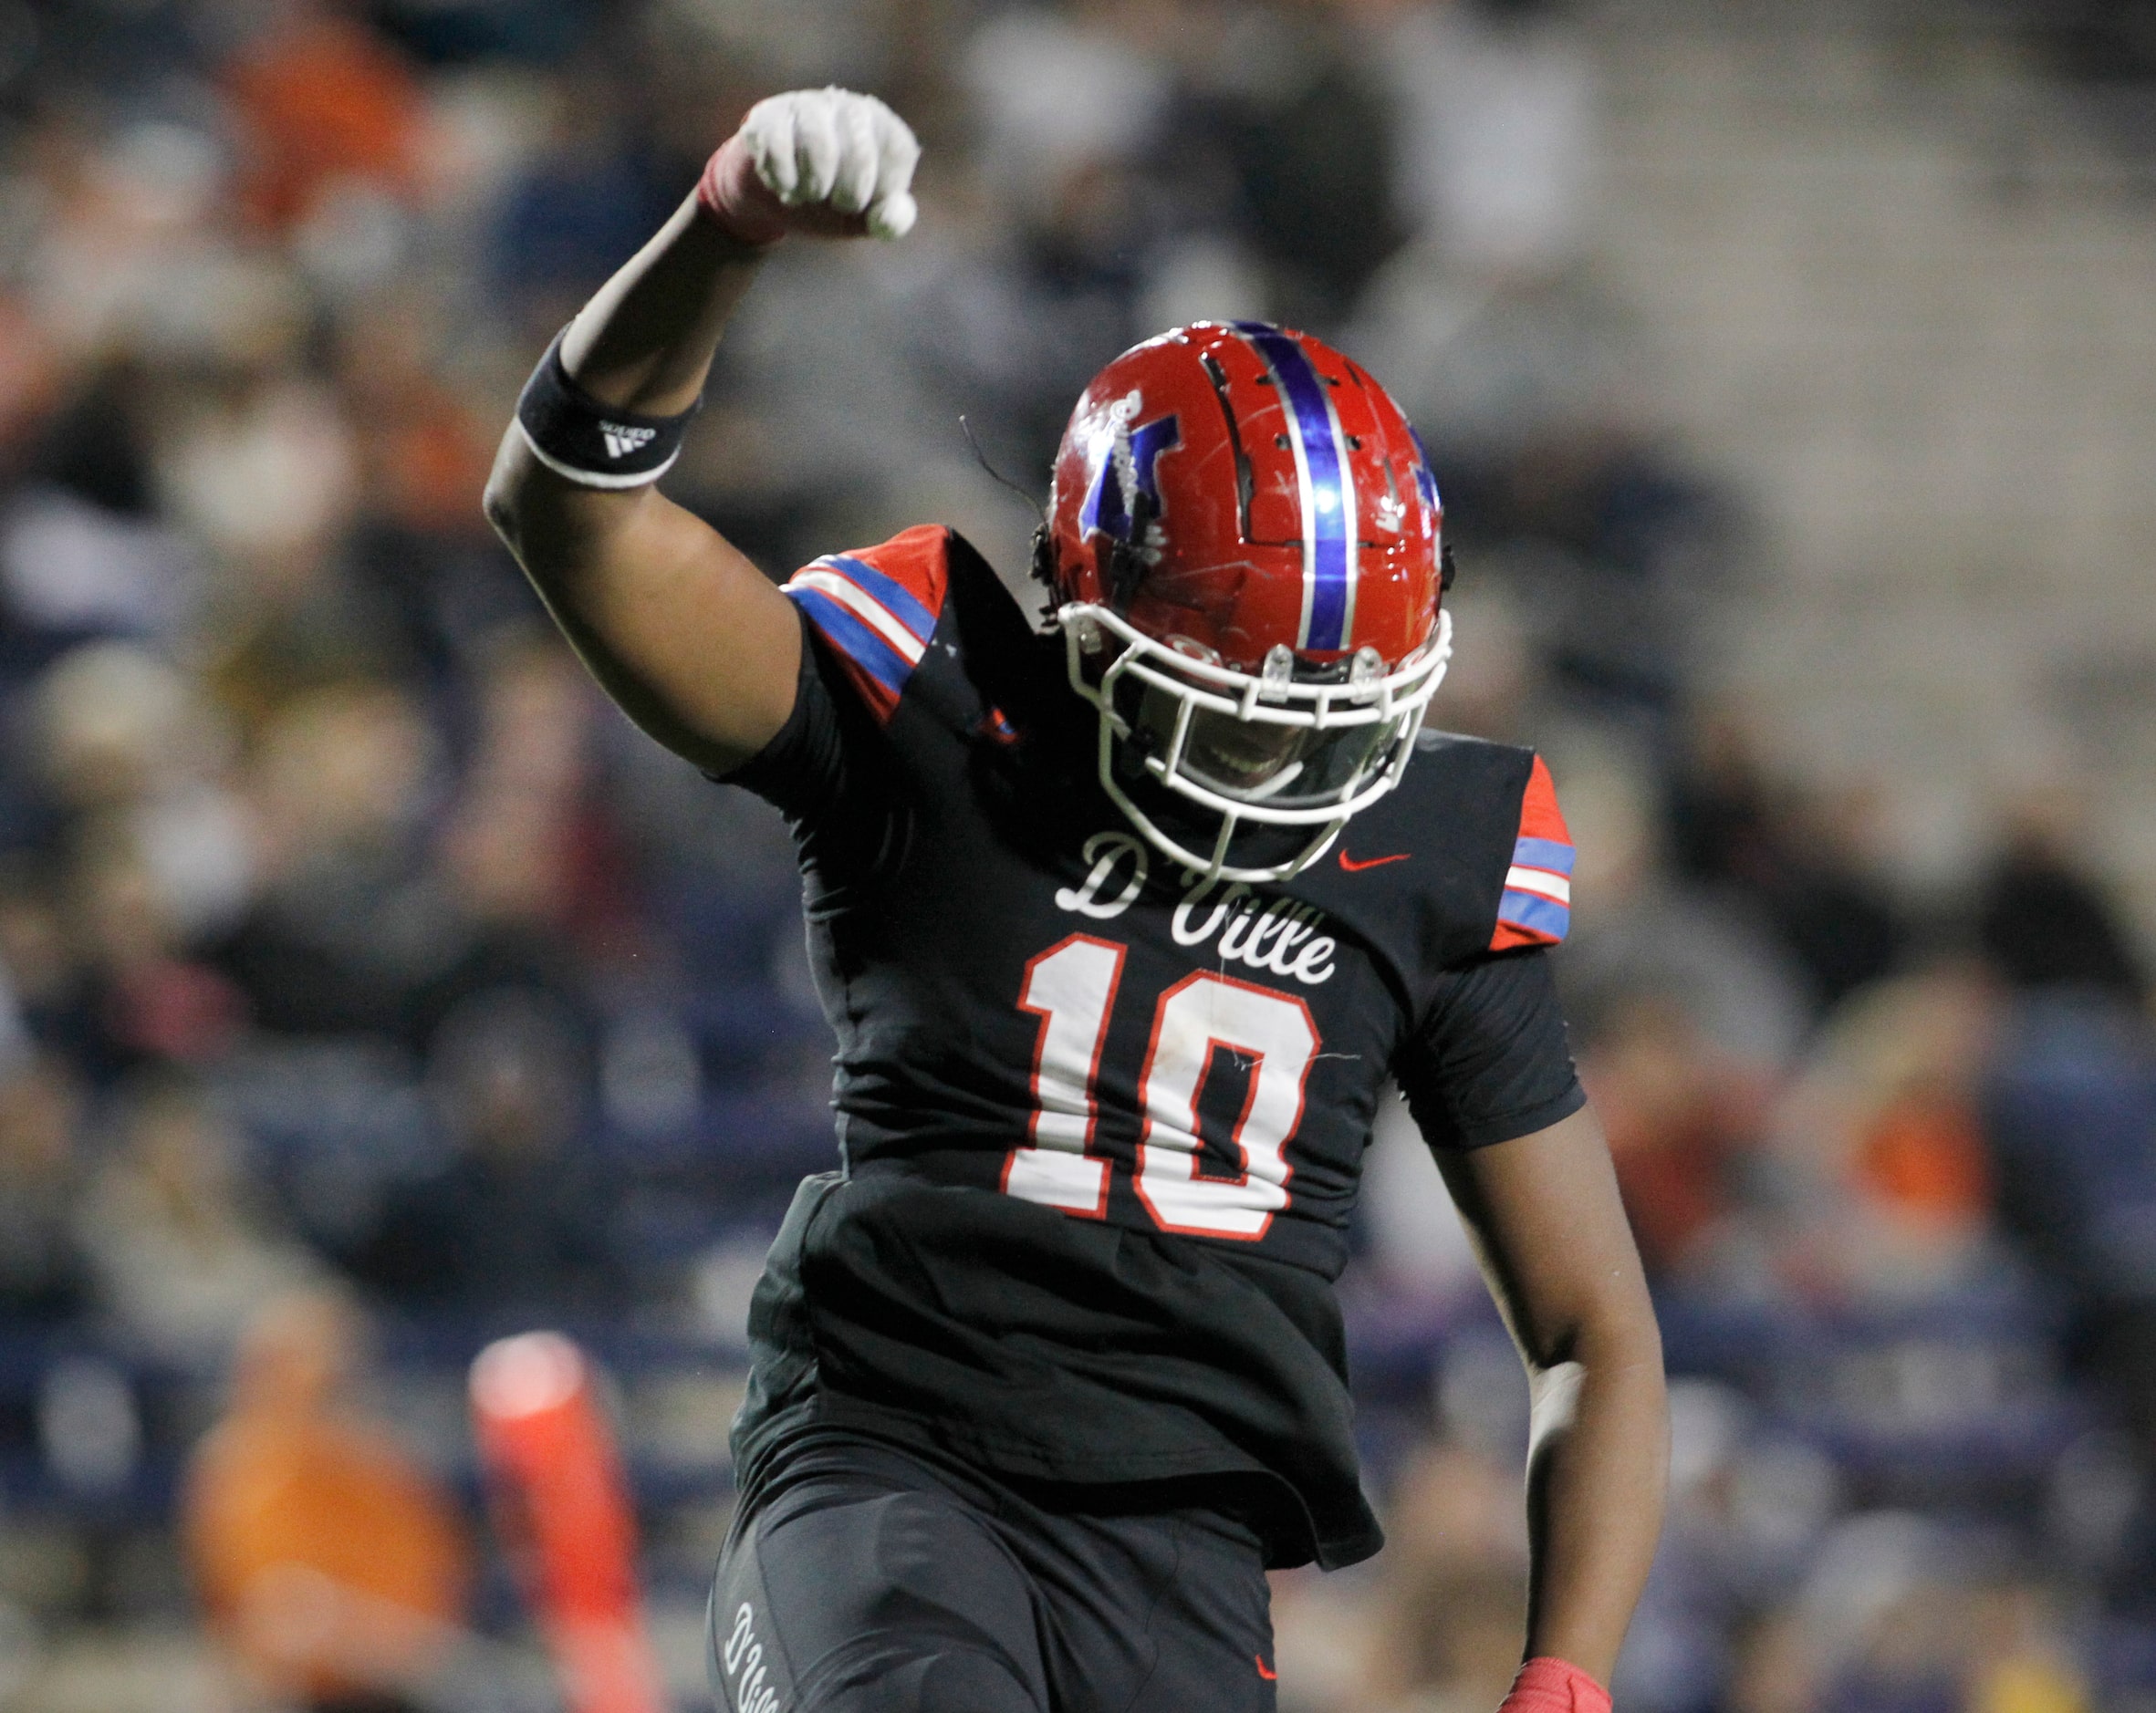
[(1558, 1254), (683, 630)]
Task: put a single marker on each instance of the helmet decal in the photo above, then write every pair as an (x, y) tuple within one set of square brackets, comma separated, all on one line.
[(1124, 486), (1425, 477), (1247, 559), (1327, 492)]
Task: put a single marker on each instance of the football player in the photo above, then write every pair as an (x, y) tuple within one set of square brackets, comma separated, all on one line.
[(1122, 922)]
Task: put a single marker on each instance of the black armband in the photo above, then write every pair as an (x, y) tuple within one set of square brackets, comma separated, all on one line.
[(592, 443)]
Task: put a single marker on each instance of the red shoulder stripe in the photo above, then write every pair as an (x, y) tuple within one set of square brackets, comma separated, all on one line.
[(876, 608), (1539, 815)]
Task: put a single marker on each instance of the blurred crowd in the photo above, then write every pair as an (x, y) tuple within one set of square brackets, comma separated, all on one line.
[(366, 982)]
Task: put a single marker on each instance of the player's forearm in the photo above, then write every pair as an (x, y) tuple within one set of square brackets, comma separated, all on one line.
[(643, 590), (603, 416), (684, 632), (1596, 1475), (644, 343), (680, 630), (646, 339), (1558, 1252)]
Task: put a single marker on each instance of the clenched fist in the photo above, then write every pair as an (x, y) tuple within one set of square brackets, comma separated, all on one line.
[(827, 161)]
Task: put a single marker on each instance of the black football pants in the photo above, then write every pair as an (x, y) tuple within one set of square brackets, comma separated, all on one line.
[(862, 1578)]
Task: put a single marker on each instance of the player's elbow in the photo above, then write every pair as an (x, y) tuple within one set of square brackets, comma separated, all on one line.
[(1610, 1323), (557, 529), (507, 488), (500, 507), (1619, 1333), (552, 528)]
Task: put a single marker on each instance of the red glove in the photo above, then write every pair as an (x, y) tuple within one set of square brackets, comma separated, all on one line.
[(1550, 1685), (820, 160)]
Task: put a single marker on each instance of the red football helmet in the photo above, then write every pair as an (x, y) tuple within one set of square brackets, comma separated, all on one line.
[(1244, 542)]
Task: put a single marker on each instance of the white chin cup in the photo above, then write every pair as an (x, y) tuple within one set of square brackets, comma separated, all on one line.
[(1395, 701)]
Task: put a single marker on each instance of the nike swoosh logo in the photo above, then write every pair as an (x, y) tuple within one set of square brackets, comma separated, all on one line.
[(1264, 1671), (1354, 867)]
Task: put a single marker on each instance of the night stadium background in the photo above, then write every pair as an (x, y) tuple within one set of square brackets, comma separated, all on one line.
[(368, 988)]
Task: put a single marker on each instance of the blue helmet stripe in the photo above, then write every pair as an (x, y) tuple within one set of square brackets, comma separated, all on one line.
[(1328, 498)]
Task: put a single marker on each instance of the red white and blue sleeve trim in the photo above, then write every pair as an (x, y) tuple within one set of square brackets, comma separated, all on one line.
[(1536, 908), (876, 608)]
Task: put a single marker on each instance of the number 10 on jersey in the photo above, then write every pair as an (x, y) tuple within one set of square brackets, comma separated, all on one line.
[(1072, 988)]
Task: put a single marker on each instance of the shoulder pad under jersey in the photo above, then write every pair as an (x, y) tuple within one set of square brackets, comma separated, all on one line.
[(876, 608), (1467, 855)]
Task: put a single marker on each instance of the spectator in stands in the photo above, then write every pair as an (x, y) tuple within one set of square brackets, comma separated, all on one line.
[(2071, 1113), (130, 754), (519, 1221), (1068, 110), (1746, 1505), (146, 852), (132, 251), (586, 200), (2043, 922), (180, 1258), (1285, 110), (328, 109), (1797, 860), (2073, 1107), (1645, 929), (150, 1001), (42, 1278), (332, 1567), (351, 924), (84, 548), (1882, 1179), (1679, 1114), (413, 545), (47, 981), (1452, 1585), (264, 470), (530, 851), (1496, 127)]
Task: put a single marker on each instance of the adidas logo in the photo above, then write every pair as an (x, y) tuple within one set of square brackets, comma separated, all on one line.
[(621, 442)]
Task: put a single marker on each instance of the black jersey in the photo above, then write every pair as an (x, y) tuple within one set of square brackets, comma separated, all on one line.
[(1100, 1127)]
